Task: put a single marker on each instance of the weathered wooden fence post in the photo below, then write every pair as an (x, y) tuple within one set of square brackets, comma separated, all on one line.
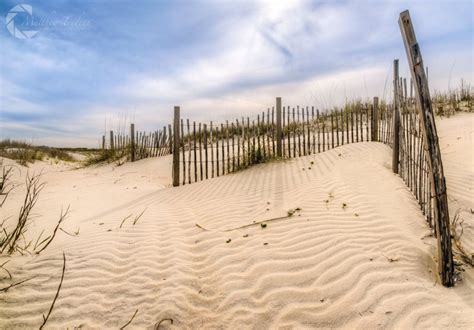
[(396, 119), (112, 140), (278, 127), (435, 164), (176, 144), (171, 138), (375, 120), (103, 142), (132, 142)]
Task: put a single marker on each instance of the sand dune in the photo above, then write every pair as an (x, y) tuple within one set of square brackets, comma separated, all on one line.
[(357, 255)]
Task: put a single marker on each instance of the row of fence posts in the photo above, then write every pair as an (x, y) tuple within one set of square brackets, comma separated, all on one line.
[(267, 139), (139, 145)]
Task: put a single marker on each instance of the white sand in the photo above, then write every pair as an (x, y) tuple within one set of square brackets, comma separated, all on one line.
[(328, 266)]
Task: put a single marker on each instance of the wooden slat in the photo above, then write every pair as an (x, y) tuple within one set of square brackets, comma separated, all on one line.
[(278, 128), (176, 144), (206, 163), (195, 152), (189, 152), (211, 130), (183, 146)]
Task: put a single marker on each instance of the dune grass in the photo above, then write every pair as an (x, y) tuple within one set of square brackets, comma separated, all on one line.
[(25, 153)]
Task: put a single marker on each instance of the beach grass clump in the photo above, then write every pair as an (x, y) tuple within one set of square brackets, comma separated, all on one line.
[(25, 153), (119, 156), (448, 103), (13, 238)]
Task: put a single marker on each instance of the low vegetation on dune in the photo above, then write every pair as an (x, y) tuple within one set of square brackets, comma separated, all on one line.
[(119, 156), (25, 153), (448, 103)]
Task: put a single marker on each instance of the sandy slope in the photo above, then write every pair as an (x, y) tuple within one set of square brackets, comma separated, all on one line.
[(357, 255)]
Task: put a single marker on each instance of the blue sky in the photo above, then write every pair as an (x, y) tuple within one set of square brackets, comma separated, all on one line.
[(101, 64)]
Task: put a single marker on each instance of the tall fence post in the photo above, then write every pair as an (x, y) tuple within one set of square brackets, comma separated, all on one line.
[(112, 140), (132, 142), (103, 142), (396, 119), (435, 164), (278, 127), (375, 120), (176, 144)]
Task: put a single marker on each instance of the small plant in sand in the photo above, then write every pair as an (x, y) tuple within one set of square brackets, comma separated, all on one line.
[(5, 185), (14, 239)]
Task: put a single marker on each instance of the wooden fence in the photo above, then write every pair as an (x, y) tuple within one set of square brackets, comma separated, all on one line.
[(137, 145), (208, 150)]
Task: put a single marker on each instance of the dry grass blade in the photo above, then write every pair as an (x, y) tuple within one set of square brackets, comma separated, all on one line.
[(128, 216), (73, 235), (130, 321), (63, 217), (5, 289), (33, 189), (45, 319), (458, 223), (2, 267), (157, 326), (5, 186), (138, 217)]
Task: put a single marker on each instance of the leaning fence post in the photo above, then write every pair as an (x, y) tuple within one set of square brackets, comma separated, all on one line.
[(396, 119), (132, 142), (278, 127), (435, 164), (112, 140), (176, 143), (375, 120)]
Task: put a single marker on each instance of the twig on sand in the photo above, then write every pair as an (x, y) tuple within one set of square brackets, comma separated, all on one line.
[(5, 289), (157, 325), (45, 319), (130, 321), (248, 225), (2, 267)]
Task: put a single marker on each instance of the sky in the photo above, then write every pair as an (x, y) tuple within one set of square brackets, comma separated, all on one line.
[(96, 65)]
